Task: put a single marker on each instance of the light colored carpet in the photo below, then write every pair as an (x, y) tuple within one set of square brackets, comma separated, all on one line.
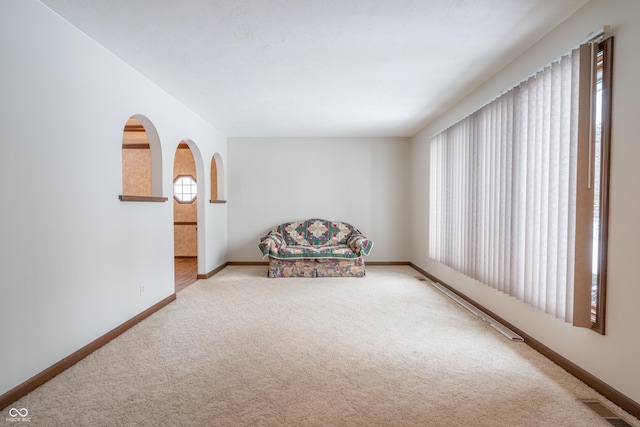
[(239, 349)]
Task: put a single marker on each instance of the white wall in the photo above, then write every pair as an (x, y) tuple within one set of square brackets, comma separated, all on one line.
[(614, 357), (362, 181), (72, 256)]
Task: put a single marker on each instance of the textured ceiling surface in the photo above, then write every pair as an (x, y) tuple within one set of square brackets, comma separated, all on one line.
[(276, 68)]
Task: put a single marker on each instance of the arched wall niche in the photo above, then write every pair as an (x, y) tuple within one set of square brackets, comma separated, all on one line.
[(217, 179), (141, 160)]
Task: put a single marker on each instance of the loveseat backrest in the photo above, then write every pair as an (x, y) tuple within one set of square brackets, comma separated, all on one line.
[(315, 232)]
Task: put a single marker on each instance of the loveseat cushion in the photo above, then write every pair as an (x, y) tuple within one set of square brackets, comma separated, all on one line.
[(326, 251), (314, 238), (315, 232)]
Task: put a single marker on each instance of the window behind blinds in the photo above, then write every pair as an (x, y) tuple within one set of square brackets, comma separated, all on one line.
[(503, 189)]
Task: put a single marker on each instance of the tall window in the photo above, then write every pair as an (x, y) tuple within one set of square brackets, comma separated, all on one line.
[(600, 167), (511, 192)]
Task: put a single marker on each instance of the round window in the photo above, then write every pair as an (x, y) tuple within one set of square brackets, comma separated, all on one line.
[(185, 189)]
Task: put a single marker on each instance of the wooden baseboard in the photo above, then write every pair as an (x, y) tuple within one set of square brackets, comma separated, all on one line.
[(212, 272), (387, 263), (595, 383), (366, 263), (248, 263), (36, 381)]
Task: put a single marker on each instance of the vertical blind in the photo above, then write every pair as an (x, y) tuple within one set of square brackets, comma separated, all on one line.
[(503, 190)]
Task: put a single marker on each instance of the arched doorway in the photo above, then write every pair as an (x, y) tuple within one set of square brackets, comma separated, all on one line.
[(185, 215)]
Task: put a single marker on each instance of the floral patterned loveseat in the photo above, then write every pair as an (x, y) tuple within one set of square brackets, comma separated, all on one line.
[(315, 248)]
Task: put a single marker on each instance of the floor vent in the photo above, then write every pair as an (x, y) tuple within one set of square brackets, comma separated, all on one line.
[(605, 413), (479, 313)]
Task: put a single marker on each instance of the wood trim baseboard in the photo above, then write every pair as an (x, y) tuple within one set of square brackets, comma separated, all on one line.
[(366, 263), (248, 263), (266, 263), (387, 263), (37, 380), (212, 272), (589, 379)]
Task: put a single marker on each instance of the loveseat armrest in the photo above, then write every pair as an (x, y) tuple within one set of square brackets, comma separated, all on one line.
[(359, 244), (271, 243)]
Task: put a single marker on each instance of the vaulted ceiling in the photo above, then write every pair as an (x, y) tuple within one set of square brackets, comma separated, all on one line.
[(277, 68)]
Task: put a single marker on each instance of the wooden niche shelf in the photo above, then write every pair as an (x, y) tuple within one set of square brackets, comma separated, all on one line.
[(142, 198)]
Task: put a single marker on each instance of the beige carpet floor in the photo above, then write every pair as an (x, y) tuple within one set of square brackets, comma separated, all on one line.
[(239, 349)]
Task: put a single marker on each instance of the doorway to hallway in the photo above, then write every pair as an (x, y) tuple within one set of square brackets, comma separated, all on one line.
[(185, 216)]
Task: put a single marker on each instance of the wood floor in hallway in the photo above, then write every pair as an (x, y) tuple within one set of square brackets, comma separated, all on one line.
[(186, 272)]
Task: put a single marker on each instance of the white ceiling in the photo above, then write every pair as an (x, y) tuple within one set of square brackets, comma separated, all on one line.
[(316, 67)]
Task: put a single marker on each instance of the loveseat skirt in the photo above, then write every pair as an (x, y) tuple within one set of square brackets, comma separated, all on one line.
[(321, 267)]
